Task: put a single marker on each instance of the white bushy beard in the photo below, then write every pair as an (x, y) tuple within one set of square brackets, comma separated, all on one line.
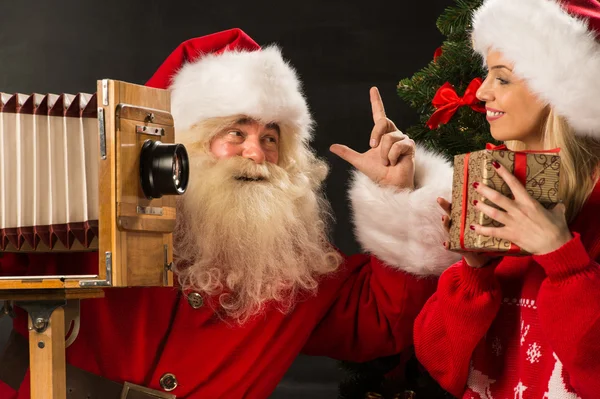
[(251, 234)]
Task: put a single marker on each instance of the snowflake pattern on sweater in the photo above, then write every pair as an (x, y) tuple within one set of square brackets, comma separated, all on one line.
[(527, 355)]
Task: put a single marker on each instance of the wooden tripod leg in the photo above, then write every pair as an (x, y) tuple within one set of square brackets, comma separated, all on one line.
[(47, 358)]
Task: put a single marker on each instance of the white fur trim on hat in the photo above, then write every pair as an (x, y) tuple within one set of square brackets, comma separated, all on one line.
[(404, 228), (258, 84), (554, 52)]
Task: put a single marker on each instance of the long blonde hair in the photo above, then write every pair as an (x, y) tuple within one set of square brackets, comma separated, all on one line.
[(580, 160)]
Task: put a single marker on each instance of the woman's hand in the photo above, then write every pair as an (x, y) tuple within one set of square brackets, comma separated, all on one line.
[(473, 259), (526, 222), (391, 159)]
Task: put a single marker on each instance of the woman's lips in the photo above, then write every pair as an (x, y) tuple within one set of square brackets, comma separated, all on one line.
[(493, 114)]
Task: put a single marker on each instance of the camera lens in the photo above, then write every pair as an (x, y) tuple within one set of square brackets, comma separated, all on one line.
[(164, 169)]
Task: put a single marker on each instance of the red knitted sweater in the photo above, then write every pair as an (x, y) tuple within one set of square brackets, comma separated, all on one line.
[(524, 327)]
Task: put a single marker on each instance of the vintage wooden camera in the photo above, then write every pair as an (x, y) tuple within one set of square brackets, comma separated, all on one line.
[(86, 172), (91, 173)]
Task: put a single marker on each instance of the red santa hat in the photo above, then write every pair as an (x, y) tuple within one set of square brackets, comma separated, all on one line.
[(555, 47), (227, 73)]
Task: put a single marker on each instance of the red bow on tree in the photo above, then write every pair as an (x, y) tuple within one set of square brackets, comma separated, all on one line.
[(437, 54), (447, 102)]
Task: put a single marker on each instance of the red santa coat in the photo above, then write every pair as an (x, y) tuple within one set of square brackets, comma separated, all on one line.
[(364, 311)]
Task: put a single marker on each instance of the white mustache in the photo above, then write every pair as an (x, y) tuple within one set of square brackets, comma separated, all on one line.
[(239, 168)]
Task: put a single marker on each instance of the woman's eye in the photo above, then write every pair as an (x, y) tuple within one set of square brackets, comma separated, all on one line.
[(503, 81), (235, 133)]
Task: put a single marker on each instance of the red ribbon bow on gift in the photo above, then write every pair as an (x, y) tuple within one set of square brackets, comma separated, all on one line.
[(494, 147), (448, 102), (502, 147)]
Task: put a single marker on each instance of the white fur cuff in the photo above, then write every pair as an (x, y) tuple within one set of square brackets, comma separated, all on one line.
[(404, 228)]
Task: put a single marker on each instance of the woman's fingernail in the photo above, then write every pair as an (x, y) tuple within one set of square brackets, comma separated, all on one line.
[(472, 227), (496, 165), (373, 142), (475, 202), (475, 185), (444, 244)]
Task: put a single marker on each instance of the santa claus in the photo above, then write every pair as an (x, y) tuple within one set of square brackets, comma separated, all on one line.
[(258, 280)]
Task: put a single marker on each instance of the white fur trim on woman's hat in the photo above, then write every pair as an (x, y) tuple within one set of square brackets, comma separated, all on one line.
[(555, 48)]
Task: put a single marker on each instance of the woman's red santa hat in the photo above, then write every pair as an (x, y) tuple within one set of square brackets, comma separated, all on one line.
[(555, 47), (227, 73)]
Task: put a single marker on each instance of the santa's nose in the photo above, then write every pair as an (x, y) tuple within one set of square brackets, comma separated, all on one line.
[(253, 151)]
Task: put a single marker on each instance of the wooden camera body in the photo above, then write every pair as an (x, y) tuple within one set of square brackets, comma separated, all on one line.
[(133, 233)]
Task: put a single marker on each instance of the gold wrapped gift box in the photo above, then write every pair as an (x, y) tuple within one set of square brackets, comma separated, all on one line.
[(537, 171)]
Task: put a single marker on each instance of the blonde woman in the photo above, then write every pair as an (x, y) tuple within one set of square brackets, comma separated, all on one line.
[(529, 327)]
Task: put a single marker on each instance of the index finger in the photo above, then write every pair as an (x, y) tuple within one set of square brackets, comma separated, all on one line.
[(376, 104), (348, 154)]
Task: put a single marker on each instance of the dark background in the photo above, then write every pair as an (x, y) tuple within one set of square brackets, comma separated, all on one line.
[(339, 48)]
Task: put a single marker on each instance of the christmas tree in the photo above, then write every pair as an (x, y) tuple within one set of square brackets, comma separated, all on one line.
[(452, 121)]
